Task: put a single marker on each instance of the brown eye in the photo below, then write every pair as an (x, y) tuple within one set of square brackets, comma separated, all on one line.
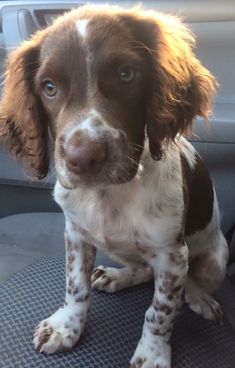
[(126, 73), (49, 88)]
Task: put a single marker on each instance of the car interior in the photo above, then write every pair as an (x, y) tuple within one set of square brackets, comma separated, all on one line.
[(32, 225)]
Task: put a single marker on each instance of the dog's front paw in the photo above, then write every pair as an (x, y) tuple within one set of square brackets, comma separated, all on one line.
[(60, 332), (150, 354)]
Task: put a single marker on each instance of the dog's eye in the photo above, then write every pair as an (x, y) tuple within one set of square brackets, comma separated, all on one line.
[(126, 73), (49, 88)]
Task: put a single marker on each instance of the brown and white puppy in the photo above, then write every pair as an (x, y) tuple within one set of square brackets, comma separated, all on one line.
[(117, 88)]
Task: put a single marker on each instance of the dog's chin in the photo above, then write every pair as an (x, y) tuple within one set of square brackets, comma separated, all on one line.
[(96, 181)]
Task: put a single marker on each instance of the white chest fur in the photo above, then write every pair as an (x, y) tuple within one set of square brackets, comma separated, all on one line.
[(146, 212)]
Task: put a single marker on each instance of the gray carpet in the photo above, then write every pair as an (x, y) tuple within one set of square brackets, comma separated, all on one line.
[(112, 331)]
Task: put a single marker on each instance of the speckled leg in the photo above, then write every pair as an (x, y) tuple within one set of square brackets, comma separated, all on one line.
[(62, 329)]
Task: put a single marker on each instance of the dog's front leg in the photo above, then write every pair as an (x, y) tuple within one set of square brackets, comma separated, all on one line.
[(170, 271), (62, 329)]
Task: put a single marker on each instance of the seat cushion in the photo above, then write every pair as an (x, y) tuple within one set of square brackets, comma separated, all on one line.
[(113, 327), (115, 321)]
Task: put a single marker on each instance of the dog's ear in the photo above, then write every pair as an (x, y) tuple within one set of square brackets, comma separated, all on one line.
[(181, 88), (23, 119)]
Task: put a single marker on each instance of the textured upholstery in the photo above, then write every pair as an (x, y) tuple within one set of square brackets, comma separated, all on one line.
[(113, 327)]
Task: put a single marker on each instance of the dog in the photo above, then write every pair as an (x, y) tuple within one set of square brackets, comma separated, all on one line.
[(117, 90)]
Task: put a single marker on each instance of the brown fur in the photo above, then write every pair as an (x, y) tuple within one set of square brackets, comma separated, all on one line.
[(198, 196), (22, 116)]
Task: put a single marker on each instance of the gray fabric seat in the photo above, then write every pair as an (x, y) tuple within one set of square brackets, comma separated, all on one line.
[(115, 321)]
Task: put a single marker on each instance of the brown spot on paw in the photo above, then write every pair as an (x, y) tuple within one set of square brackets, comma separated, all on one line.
[(43, 337), (139, 363), (97, 273)]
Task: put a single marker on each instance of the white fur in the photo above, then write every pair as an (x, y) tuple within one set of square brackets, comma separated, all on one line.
[(87, 126), (188, 151), (157, 186), (148, 210), (81, 25), (154, 352), (61, 324)]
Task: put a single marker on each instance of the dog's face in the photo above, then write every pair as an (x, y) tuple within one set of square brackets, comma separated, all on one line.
[(102, 79), (93, 81)]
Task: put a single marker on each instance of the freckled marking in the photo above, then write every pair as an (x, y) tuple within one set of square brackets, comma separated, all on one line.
[(150, 318), (157, 331), (82, 298), (170, 276), (162, 307), (172, 257), (71, 258), (160, 320), (71, 286), (81, 26), (69, 244), (69, 268)]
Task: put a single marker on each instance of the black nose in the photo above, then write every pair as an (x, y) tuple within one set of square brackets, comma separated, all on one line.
[(84, 156)]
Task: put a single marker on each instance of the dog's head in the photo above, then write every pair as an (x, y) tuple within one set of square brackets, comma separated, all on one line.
[(102, 80)]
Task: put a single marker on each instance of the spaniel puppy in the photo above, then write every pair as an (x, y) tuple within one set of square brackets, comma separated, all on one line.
[(117, 89)]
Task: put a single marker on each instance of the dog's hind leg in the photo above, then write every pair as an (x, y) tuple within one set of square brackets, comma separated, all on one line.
[(111, 279), (206, 274), (201, 302)]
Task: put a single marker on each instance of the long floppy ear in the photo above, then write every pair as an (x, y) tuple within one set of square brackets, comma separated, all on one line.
[(182, 87), (23, 119)]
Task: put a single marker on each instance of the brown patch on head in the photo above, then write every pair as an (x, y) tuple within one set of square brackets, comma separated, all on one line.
[(198, 195)]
